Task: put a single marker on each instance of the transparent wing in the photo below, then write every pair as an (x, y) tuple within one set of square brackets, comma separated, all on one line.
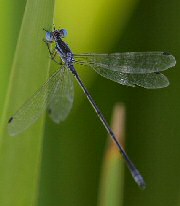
[(148, 81), (129, 62), (35, 106), (61, 104)]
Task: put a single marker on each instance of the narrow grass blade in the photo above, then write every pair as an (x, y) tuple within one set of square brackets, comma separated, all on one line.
[(112, 180), (20, 157)]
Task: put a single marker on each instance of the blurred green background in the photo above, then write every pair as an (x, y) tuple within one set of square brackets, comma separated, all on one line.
[(73, 151)]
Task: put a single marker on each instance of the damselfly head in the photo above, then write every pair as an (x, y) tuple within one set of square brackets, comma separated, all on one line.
[(55, 35), (49, 36)]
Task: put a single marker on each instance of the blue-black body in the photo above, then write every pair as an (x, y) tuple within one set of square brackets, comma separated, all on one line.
[(67, 57), (56, 94), (62, 47), (65, 52)]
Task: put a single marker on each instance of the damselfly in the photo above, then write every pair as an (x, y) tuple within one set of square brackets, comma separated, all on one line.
[(56, 95)]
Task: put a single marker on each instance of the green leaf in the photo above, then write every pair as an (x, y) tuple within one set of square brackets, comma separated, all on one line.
[(10, 22), (20, 157)]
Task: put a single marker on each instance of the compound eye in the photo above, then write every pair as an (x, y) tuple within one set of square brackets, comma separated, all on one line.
[(49, 36), (63, 33)]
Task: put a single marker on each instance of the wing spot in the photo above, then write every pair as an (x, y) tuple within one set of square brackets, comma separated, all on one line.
[(49, 111), (166, 53), (10, 119)]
